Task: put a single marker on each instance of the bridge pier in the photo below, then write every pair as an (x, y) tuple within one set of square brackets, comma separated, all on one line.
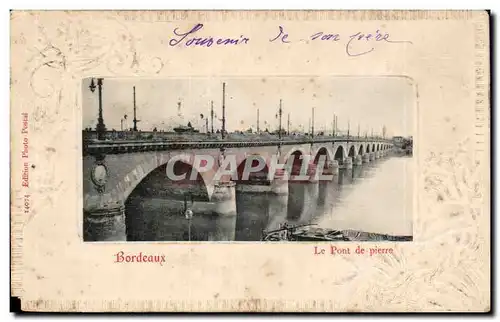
[(366, 158), (347, 163), (277, 186), (105, 224), (224, 198), (372, 156), (377, 155), (331, 168), (358, 160), (308, 177), (311, 172)]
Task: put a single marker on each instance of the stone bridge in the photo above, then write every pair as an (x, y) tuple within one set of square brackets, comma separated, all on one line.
[(114, 170)]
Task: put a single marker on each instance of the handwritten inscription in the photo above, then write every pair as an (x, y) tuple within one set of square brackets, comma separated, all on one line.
[(355, 44), (187, 39)]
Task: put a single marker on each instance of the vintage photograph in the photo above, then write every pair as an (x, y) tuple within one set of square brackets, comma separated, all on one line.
[(248, 159), (303, 160)]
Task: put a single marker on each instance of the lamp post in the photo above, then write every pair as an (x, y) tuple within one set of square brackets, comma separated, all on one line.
[(135, 116), (212, 116), (258, 129), (312, 124), (223, 132), (288, 125), (188, 213), (279, 129), (335, 125), (100, 127)]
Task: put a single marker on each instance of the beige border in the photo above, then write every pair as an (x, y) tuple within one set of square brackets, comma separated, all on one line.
[(446, 268)]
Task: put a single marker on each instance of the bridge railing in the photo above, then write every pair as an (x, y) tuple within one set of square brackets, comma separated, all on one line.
[(142, 136)]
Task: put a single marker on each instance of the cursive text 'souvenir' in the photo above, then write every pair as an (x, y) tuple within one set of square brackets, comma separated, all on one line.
[(187, 39)]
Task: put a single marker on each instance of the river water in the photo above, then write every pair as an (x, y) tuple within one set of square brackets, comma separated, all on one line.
[(375, 197)]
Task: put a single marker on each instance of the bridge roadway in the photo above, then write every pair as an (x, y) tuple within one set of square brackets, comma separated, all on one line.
[(112, 169), (93, 147)]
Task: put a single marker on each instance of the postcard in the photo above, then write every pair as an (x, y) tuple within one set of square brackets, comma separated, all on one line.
[(250, 161)]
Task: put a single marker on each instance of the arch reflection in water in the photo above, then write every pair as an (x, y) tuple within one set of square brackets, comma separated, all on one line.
[(159, 219), (302, 202), (155, 210), (258, 212), (327, 203), (328, 196), (253, 215)]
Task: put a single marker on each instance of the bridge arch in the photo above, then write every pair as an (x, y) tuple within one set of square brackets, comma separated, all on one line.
[(368, 148), (181, 165), (255, 161), (157, 184), (295, 151), (361, 150), (322, 151), (373, 147), (121, 186), (296, 163), (378, 147), (339, 154), (352, 151)]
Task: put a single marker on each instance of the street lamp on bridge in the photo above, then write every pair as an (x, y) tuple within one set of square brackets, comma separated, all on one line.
[(188, 212), (312, 124), (223, 131), (100, 127), (135, 116), (280, 112)]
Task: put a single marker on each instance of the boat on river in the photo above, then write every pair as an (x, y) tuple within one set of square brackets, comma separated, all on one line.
[(310, 233), (302, 233)]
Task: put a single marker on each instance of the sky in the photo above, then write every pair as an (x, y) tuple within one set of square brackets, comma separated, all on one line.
[(367, 102)]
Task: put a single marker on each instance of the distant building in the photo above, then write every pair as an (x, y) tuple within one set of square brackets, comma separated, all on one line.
[(283, 132), (185, 129), (398, 139)]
